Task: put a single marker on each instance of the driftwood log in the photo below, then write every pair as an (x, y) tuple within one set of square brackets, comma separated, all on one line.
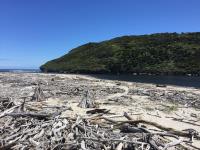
[(29, 114), (97, 111), (170, 130)]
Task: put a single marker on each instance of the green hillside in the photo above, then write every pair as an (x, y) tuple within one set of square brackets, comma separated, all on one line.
[(163, 53)]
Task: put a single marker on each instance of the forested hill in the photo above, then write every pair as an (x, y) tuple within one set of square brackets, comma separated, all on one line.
[(163, 53)]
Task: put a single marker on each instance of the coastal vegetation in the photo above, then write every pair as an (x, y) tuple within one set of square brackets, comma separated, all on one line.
[(161, 53)]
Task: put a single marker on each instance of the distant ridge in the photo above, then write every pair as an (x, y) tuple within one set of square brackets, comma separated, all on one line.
[(161, 53)]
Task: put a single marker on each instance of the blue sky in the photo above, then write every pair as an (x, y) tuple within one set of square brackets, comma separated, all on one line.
[(35, 31)]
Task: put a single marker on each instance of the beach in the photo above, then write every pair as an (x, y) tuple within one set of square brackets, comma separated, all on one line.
[(174, 107)]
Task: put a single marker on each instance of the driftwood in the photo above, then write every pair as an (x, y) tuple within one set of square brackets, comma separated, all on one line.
[(8, 146), (37, 125), (86, 102), (10, 110), (86, 135), (185, 121), (38, 94), (29, 114), (172, 144), (36, 130), (161, 85), (41, 126), (97, 110), (170, 130)]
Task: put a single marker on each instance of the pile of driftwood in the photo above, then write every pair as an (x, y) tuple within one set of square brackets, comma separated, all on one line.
[(26, 130), (180, 97), (21, 128)]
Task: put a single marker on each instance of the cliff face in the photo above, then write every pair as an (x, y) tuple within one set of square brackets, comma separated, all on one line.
[(166, 53)]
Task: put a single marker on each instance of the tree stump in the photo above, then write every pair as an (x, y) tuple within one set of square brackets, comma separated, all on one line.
[(38, 94), (86, 102)]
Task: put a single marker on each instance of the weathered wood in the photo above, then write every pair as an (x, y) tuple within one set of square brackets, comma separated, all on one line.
[(10, 110), (86, 102), (29, 114), (172, 144), (8, 146), (97, 110), (38, 94), (40, 125), (170, 130)]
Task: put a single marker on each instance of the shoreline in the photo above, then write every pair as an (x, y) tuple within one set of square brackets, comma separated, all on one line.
[(163, 80), (104, 73)]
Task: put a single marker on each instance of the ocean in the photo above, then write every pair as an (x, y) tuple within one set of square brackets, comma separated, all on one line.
[(21, 70)]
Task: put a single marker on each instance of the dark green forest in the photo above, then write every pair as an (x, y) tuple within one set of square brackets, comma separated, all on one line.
[(162, 53)]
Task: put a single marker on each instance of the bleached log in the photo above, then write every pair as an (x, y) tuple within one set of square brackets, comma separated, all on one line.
[(33, 142), (37, 136), (10, 110), (173, 143), (29, 114), (170, 130)]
